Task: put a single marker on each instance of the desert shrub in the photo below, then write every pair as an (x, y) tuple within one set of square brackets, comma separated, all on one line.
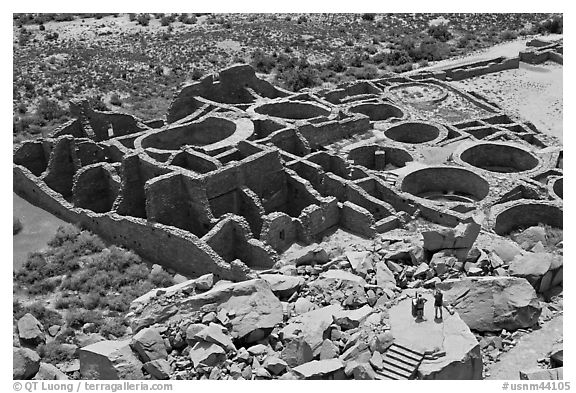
[(67, 302), (49, 109), (508, 35), (196, 74), (440, 32), (114, 326), (398, 57), (368, 71), (302, 19), (143, 19), (165, 21), (78, 318), (161, 279), (16, 226), (131, 17), (368, 17), (430, 50), (336, 64), (115, 99), (53, 352), (97, 104), (51, 36), (41, 27), (44, 315), (554, 25), (263, 62)]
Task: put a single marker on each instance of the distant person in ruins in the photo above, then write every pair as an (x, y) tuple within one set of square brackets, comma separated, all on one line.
[(438, 303), (420, 307)]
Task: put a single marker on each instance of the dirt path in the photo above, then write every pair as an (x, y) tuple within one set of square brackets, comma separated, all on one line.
[(529, 349)]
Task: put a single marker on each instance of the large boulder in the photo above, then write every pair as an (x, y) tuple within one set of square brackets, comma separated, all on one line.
[(25, 363), (207, 354), (251, 304), (493, 303), (312, 326), (384, 277), (533, 266), (49, 372), (458, 240), (110, 360), (30, 330), (462, 359), (282, 285), (149, 345)]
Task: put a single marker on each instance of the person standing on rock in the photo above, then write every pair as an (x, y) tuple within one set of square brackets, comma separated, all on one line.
[(420, 307), (438, 303)]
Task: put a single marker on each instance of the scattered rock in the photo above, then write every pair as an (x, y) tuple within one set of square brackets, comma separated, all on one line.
[(49, 372), (384, 277), (159, 368), (328, 350), (254, 305), (493, 303), (25, 363), (318, 368), (360, 261), (110, 360), (303, 305), (275, 365), (216, 334), (206, 354), (296, 352), (30, 330), (283, 286), (149, 345), (350, 319), (552, 374), (311, 326), (310, 255)]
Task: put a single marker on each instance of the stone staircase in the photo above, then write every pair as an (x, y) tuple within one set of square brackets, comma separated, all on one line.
[(399, 362)]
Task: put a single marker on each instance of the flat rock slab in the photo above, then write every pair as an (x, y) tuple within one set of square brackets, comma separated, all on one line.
[(463, 359), (318, 368)]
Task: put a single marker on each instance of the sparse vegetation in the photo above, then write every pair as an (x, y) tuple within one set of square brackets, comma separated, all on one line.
[(188, 47)]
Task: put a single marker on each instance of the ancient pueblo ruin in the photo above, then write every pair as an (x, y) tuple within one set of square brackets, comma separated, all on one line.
[(248, 191)]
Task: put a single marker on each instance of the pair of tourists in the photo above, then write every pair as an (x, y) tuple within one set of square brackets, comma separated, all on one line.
[(419, 301)]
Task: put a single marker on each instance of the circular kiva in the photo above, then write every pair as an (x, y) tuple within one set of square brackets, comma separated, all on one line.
[(292, 110), (498, 157), (418, 92), (556, 187), (446, 184), (379, 157), (414, 132), (378, 111), (522, 215), (210, 133)]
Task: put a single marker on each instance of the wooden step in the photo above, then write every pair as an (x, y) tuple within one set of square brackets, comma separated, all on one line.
[(392, 368), (402, 359), (409, 368), (409, 355)]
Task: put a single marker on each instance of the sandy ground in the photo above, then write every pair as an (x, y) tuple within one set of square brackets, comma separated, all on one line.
[(530, 348), (531, 92), (38, 227)]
